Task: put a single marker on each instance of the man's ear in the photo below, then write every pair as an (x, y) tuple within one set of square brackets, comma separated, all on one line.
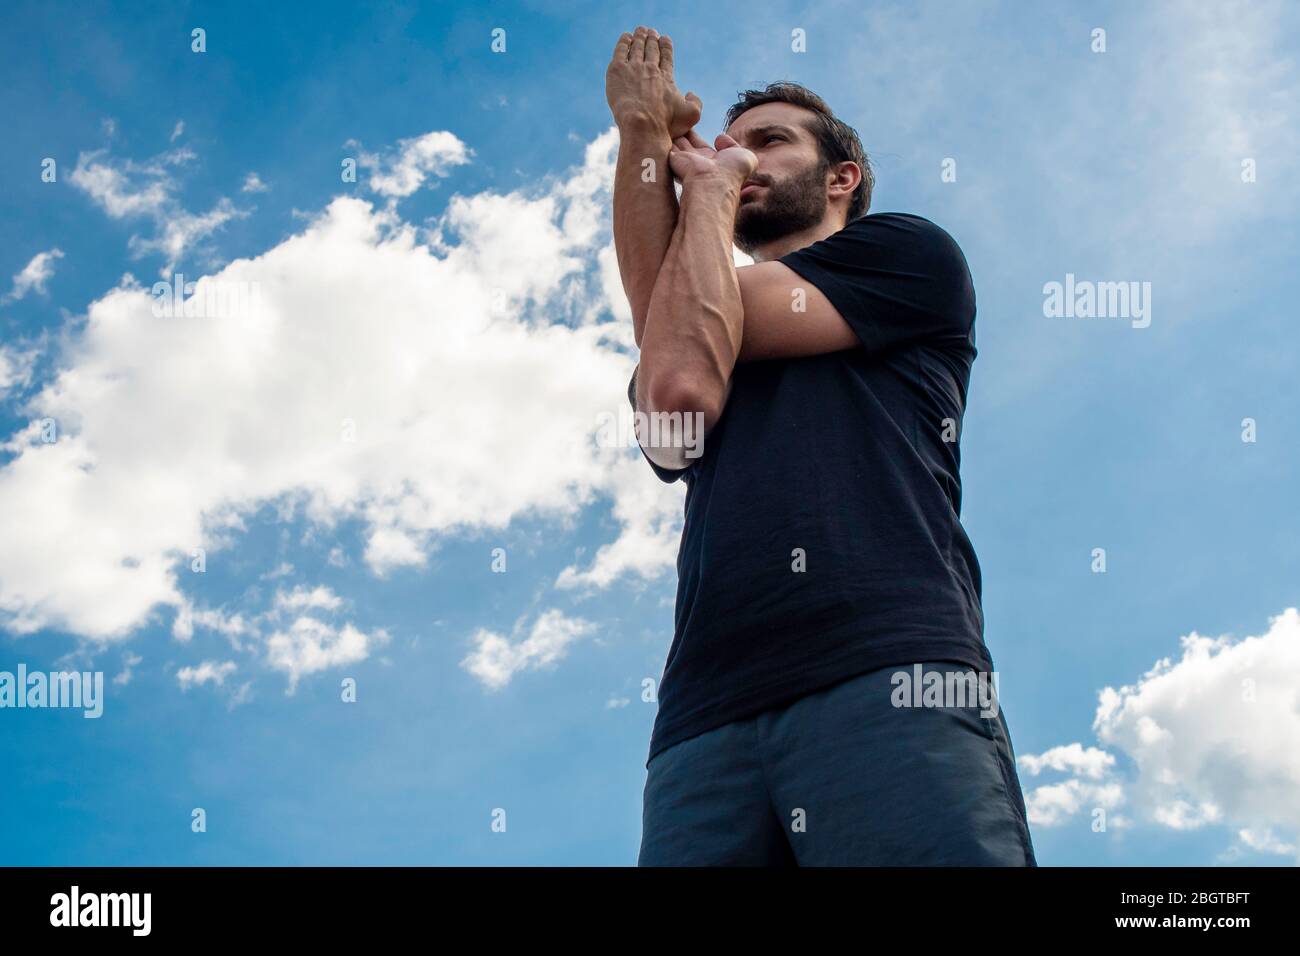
[(844, 182), (848, 175)]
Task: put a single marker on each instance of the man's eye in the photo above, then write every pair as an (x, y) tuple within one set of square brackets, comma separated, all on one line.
[(770, 137)]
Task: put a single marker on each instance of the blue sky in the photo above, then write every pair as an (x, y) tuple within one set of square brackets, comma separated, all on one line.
[(484, 174)]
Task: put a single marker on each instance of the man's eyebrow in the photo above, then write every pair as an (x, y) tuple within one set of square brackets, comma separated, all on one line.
[(769, 128)]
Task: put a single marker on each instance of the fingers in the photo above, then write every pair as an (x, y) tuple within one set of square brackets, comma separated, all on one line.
[(724, 142), (652, 46), (622, 47), (692, 143), (646, 44)]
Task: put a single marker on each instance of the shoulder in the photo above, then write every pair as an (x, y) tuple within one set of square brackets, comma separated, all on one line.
[(894, 241), (920, 257), (929, 246), (887, 238), (904, 229)]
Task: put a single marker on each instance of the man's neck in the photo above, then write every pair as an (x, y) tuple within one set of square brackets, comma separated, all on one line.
[(797, 240)]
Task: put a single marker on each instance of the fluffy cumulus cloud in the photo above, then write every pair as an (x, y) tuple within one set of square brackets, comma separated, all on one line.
[(299, 634), (428, 383), (308, 645), (1089, 786), (1210, 738), (651, 522), (34, 275), (309, 642), (125, 189), (397, 173), (496, 659)]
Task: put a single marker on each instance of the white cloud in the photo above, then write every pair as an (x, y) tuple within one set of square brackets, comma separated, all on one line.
[(241, 695), (310, 645), (495, 659), (127, 190), (281, 570), (1213, 738), (398, 173), (1265, 841), (374, 383), (1084, 762), (212, 619), (652, 523), (179, 230), (306, 645), (301, 597), (129, 663), (34, 275), (209, 672), (1181, 815), (253, 184), (1052, 804), (177, 130), (15, 367)]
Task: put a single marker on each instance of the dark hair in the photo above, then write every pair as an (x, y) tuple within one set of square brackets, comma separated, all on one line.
[(836, 140)]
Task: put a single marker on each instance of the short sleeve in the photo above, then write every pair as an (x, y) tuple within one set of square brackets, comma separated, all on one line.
[(895, 279), (665, 474)]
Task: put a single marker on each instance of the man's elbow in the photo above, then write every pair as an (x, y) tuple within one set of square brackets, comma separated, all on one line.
[(680, 395)]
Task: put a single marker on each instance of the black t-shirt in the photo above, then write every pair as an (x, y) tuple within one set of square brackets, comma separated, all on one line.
[(822, 535)]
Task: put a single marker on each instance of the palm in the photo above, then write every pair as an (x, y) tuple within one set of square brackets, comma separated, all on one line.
[(689, 163), (692, 142), (737, 160), (693, 156)]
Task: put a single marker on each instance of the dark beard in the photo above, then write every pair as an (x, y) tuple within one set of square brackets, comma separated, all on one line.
[(784, 208)]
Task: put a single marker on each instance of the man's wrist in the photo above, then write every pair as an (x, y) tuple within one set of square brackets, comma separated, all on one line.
[(714, 187), (642, 123)]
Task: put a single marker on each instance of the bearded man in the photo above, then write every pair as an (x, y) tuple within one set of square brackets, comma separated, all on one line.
[(823, 572)]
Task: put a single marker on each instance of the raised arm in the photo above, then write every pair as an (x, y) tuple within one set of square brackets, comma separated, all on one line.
[(696, 317), (649, 112)]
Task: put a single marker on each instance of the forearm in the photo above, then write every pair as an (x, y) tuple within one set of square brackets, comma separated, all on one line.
[(645, 213), (695, 320)]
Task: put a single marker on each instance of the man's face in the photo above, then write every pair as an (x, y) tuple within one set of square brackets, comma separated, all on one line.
[(791, 191)]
